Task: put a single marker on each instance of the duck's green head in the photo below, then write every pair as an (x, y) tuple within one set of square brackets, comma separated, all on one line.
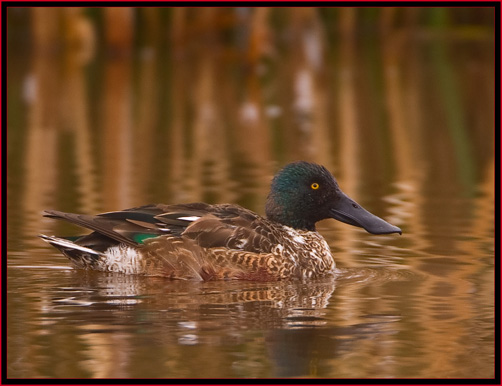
[(303, 193)]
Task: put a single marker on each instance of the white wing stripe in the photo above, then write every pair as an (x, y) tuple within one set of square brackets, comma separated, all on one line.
[(67, 244), (189, 218)]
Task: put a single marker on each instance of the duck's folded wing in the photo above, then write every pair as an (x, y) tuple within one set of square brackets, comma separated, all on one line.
[(232, 227), (210, 226), (130, 226)]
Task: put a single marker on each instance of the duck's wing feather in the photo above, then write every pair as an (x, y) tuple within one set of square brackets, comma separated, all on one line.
[(210, 226), (233, 227), (225, 225)]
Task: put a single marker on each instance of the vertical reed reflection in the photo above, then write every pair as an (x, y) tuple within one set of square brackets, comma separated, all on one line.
[(109, 354), (251, 140), (453, 109), (209, 172), (393, 47), (80, 42), (117, 138), (179, 95), (401, 71), (309, 124), (147, 101), (349, 127), (42, 139)]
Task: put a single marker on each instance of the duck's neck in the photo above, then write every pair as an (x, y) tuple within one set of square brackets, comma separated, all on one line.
[(280, 213)]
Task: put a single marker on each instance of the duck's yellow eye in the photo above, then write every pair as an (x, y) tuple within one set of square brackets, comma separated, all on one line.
[(315, 186)]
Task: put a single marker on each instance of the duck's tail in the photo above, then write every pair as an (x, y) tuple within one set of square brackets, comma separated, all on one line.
[(81, 256)]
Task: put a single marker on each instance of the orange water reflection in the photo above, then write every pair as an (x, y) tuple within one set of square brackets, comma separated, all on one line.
[(116, 107)]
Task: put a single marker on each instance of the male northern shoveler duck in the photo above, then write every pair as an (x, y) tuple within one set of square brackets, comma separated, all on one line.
[(211, 242)]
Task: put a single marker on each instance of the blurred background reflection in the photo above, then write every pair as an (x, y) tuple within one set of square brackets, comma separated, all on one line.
[(109, 108)]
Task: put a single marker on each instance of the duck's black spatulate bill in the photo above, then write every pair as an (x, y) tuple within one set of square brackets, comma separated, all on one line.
[(350, 212)]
